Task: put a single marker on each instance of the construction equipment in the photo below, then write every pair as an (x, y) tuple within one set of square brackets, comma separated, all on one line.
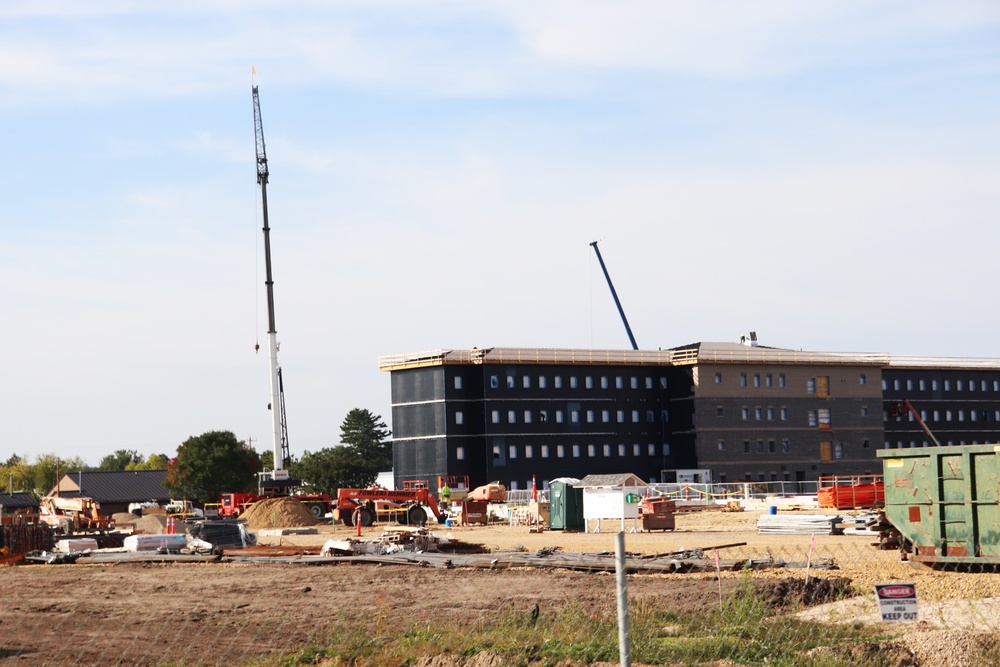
[(494, 492), (375, 503), (614, 295), (900, 410), (276, 480), (233, 505), (458, 486), (72, 514)]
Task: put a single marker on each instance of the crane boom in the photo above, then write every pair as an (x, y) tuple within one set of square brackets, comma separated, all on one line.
[(614, 295), (279, 428)]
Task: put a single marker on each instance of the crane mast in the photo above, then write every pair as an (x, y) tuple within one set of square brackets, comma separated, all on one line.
[(614, 295), (279, 430)]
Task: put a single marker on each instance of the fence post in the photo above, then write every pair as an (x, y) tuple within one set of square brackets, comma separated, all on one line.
[(624, 643)]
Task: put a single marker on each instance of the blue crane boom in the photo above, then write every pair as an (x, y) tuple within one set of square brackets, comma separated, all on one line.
[(614, 295)]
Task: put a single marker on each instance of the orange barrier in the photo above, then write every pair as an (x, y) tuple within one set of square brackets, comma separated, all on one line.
[(855, 496)]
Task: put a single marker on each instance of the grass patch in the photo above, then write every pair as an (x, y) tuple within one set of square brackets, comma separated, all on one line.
[(744, 630)]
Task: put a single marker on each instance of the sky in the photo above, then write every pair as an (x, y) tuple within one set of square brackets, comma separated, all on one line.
[(822, 173)]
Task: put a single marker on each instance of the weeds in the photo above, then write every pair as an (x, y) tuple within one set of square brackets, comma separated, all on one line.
[(744, 630)]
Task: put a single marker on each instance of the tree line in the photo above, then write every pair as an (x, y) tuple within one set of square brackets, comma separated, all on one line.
[(217, 462)]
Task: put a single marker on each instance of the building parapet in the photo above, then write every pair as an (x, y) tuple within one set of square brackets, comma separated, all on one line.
[(687, 356)]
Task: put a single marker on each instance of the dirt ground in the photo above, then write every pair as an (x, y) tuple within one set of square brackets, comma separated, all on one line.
[(224, 614)]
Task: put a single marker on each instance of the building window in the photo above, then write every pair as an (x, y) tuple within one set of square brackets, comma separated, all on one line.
[(527, 416), (934, 385), (768, 380), (756, 379), (649, 382), (770, 414), (784, 447), (718, 378), (576, 451), (746, 446), (588, 382), (812, 418), (635, 416), (590, 416), (947, 415), (559, 416), (543, 416), (574, 416), (619, 382), (760, 446), (862, 379), (621, 451), (560, 451), (605, 416), (511, 417), (909, 385), (771, 448), (650, 416), (864, 410), (495, 416), (459, 417), (604, 382), (972, 385), (959, 385), (784, 414), (636, 450), (510, 381), (666, 416), (743, 379), (634, 382), (745, 413), (663, 383), (895, 384), (838, 450), (937, 416), (652, 449), (823, 416), (545, 451), (526, 381), (865, 444), (542, 382), (720, 411), (572, 382), (922, 384), (557, 382), (512, 451), (811, 386), (529, 452), (758, 413), (947, 385), (781, 379), (666, 449), (621, 416), (458, 382), (494, 382), (722, 445), (591, 451), (961, 415), (460, 453), (972, 415)]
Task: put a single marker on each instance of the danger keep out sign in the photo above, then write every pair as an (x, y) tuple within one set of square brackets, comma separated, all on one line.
[(897, 602)]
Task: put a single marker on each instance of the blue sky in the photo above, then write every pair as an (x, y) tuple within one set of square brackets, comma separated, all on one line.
[(825, 174)]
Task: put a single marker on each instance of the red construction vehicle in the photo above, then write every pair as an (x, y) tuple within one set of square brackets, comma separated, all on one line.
[(233, 505), (379, 504)]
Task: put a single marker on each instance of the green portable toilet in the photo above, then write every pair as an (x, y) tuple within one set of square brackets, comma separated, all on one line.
[(565, 505)]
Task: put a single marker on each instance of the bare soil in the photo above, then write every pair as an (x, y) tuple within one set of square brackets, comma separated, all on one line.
[(226, 614)]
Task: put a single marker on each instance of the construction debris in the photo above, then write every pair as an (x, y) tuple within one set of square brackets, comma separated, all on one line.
[(799, 524)]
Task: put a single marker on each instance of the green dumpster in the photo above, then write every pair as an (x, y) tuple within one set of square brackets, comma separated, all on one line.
[(944, 502)]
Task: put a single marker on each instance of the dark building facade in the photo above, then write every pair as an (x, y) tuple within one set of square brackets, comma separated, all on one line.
[(744, 412)]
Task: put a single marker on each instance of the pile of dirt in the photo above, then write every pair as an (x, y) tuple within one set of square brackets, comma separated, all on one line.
[(124, 518), (790, 592), (278, 513)]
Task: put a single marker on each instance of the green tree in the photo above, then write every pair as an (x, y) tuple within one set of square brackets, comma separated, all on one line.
[(120, 460), (47, 468), (364, 452), (211, 464), (368, 435), (152, 462)]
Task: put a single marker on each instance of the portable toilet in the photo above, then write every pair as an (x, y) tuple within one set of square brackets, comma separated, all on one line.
[(565, 505)]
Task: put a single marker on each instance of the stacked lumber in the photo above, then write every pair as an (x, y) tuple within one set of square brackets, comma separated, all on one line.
[(798, 524)]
